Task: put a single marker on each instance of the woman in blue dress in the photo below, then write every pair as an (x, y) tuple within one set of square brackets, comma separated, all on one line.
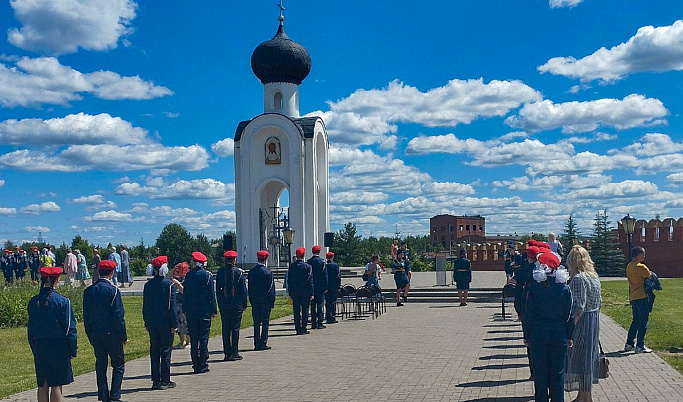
[(400, 277), (548, 324), (52, 336)]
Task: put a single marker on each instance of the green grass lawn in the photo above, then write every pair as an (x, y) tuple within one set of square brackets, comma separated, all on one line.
[(16, 359), (665, 330)]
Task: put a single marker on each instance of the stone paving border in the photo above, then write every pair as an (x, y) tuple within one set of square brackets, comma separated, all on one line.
[(420, 352)]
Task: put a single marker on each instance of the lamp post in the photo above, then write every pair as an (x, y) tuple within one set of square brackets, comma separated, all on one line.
[(289, 239), (629, 224)]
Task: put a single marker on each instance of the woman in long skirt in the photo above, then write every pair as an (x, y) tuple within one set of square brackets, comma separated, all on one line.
[(52, 337), (583, 360)]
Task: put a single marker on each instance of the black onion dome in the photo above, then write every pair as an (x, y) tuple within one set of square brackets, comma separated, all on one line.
[(280, 60)]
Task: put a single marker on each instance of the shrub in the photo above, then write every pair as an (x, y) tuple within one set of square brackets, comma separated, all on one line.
[(14, 302)]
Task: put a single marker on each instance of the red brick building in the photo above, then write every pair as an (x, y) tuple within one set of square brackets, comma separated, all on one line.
[(663, 241), (447, 230)]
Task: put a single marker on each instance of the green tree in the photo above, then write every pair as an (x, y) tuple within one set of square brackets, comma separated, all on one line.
[(570, 235), (82, 244), (347, 247), (604, 251), (204, 246), (176, 243)]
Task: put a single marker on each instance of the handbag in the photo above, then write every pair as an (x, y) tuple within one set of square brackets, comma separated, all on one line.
[(603, 372), (366, 276)]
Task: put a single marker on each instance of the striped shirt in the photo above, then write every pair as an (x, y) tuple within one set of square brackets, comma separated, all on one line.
[(585, 293)]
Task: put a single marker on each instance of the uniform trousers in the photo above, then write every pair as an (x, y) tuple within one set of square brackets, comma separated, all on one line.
[(261, 314), (20, 272), (35, 274), (300, 305), (231, 318), (548, 352), (107, 347), (160, 346), (317, 309), (331, 308), (198, 329), (8, 274)]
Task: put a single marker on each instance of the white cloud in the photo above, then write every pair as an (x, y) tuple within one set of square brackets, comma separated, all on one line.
[(44, 80), (358, 197), (224, 147), (111, 215), (43, 229), (171, 115), (448, 144), (89, 199), (514, 184), (73, 129), (37, 209), (366, 116), (7, 211), (675, 178), (594, 138), (377, 173), (514, 135), (624, 189), (2, 183), (633, 111), (212, 224), (650, 49), (181, 190), (80, 158), (441, 188), (60, 27), (564, 3), (654, 144)]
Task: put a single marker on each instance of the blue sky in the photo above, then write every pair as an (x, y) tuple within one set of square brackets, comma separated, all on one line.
[(116, 117)]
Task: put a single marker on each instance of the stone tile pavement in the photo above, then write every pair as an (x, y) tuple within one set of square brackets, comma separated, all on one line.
[(420, 352)]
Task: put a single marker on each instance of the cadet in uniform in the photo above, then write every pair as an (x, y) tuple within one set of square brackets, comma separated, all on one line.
[(106, 329), (548, 325), (199, 305), (161, 321), (52, 336), (462, 276), (262, 299), (6, 265), (300, 285), (19, 262), (34, 264), (333, 285), (319, 286), (231, 291)]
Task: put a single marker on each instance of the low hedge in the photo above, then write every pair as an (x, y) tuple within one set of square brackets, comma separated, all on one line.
[(14, 302)]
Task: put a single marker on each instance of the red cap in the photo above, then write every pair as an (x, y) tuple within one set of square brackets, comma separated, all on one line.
[(300, 252), (533, 251), (532, 242), (51, 272), (329, 255), (230, 254), (159, 261), (316, 249), (199, 257), (34, 248), (541, 244), (549, 259), (181, 269), (262, 254), (106, 265)]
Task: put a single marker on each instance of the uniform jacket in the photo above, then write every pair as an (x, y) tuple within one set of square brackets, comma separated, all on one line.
[(333, 277), (548, 308), (6, 262), (34, 261), (261, 286), (231, 288), (199, 295), (54, 321), (158, 304), (103, 310), (19, 261), (300, 280), (319, 273)]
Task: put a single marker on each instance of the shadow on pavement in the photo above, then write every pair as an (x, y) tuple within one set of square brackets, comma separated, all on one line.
[(501, 366), (503, 331), (505, 338), (490, 383), (503, 399), (501, 357), (505, 347)]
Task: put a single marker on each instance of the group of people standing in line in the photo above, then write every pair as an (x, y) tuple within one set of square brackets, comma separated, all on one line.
[(52, 325)]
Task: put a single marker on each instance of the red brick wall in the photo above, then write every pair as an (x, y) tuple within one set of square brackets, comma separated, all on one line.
[(664, 256)]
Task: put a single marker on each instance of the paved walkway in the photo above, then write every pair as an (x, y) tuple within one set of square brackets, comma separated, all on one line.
[(420, 352)]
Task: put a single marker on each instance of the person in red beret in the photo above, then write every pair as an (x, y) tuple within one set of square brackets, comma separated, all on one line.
[(319, 287), (52, 346), (199, 305), (34, 264), (548, 323), (300, 288), (262, 299), (6, 265), (333, 285), (103, 319), (231, 292), (161, 322)]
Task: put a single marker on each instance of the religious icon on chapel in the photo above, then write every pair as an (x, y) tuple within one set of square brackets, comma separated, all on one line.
[(273, 151)]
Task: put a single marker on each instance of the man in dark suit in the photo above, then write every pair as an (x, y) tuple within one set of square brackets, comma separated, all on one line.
[(333, 285), (106, 329), (199, 305), (262, 299), (319, 286), (231, 291), (161, 322), (300, 286)]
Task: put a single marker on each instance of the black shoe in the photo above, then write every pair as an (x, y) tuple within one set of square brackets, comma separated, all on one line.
[(463, 304), (206, 370), (156, 386), (399, 304), (321, 326), (235, 358), (266, 347), (332, 322), (305, 332), (227, 358), (405, 298), (168, 385)]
